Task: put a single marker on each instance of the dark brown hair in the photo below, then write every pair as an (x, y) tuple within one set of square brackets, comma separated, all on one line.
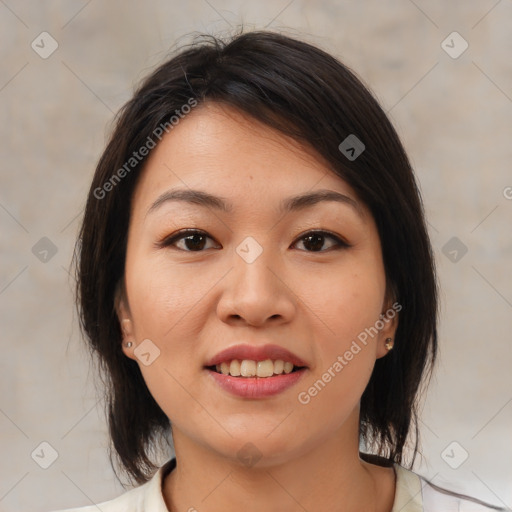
[(301, 91)]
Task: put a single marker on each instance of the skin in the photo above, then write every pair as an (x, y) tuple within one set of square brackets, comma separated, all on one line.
[(193, 303)]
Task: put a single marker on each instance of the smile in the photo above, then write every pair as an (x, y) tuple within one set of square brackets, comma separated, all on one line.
[(255, 387), (250, 368)]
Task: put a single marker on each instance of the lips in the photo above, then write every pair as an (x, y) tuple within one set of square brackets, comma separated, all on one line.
[(256, 388), (255, 353)]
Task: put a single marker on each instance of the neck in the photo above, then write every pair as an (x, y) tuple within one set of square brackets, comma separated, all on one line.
[(327, 476)]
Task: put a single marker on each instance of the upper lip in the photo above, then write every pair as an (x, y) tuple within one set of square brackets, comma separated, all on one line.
[(255, 353)]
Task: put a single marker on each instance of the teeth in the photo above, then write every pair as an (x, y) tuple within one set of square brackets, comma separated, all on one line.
[(265, 368), (234, 368), (278, 366), (248, 368)]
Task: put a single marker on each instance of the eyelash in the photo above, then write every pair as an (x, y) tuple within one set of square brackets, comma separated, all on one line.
[(184, 233)]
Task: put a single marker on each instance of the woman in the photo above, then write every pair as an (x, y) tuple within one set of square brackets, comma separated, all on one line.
[(256, 279)]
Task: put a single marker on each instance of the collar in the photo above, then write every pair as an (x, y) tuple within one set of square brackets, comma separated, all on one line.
[(153, 495), (408, 492)]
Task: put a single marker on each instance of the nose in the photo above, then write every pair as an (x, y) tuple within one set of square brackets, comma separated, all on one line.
[(257, 292)]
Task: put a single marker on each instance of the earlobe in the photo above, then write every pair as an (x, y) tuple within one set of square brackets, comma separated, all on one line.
[(385, 346), (125, 322), (128, 349), (389, 324), (127, 341)]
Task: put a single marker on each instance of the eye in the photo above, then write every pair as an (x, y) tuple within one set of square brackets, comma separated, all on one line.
[(193, 240), (316, 239)]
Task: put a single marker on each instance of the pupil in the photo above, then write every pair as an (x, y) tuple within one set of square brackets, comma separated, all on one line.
[(318, 239), (194, 244)]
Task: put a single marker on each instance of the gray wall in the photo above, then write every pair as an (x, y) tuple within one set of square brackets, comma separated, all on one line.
[(454, 115)]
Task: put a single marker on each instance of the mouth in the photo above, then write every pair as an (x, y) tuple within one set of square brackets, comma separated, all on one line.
[(255, 369), (255, 360), (248, 379)]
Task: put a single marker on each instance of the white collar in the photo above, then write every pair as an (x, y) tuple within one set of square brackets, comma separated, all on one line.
[(408, 493)]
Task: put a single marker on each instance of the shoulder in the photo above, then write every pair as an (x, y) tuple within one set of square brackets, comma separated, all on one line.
[(147, 497), (415, 493), (436, 498), (130, 501)]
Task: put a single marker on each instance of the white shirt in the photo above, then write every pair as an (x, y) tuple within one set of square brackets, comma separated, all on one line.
[(413, 494)]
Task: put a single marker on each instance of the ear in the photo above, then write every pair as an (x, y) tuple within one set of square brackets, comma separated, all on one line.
[(125, 320), (389, 323)]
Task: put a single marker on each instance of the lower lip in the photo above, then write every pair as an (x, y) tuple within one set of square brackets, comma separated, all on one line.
[(257, 387)]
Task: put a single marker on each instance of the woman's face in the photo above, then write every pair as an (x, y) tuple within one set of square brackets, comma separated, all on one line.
[(255, 275)]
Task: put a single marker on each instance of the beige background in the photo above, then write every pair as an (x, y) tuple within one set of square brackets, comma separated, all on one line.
[(454, 115)]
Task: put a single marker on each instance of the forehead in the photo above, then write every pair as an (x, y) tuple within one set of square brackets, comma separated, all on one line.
[(228, 153)]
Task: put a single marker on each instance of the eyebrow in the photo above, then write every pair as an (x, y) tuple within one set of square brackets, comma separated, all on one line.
[(290, 204)]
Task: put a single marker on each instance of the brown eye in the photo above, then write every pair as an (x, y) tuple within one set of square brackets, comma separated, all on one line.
[(191, 240), (315, 240)]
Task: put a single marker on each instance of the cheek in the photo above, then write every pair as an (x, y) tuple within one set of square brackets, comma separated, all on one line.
[(333, 394), (162, 297), (348, 304), (348, 301), (164, 309), (345, 346)]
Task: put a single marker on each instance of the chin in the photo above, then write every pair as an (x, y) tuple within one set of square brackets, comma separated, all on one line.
[(256, 448)]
